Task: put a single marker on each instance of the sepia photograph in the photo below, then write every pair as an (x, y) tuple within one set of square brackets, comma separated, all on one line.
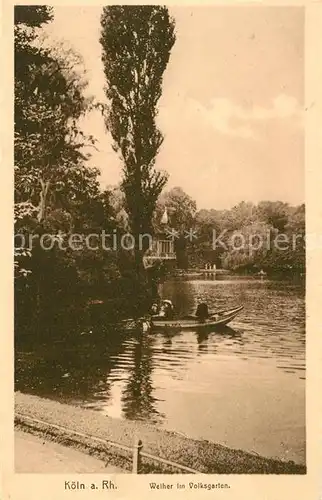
[(159, 241)]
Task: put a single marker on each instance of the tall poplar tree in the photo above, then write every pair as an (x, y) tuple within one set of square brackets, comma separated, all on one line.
[(136, 43)]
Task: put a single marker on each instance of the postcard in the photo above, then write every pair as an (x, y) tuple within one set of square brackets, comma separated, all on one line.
[(162, 314)]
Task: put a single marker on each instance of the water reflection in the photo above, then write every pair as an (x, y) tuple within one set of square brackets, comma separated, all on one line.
[(161, 376), (210, 340), (138, 400), (68, 371), (271, 326)]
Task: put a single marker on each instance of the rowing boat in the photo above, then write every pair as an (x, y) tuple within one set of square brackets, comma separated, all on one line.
[(214, 320)]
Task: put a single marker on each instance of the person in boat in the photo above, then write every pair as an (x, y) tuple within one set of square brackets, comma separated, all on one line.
[(155, 309), (202, 312), (166, 310)]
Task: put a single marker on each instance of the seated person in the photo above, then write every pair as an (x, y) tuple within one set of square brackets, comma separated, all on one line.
[(155, 309), (202, 312), (166, 309)]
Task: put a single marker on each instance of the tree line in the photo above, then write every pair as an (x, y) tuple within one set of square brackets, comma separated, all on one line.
[(268, 236), (249, 237)]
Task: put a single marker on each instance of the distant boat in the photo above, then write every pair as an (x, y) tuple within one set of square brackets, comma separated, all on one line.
[(214, 320)]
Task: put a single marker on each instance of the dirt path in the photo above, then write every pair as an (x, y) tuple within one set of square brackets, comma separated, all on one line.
[(33, 454), (41, 414)]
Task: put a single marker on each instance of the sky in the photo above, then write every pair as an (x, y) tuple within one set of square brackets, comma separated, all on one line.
[(231, 110)]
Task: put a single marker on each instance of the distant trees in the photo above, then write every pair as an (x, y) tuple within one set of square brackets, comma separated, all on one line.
[(208, 223), (136, 43), (181, 210), (269, 235), (274, 213), (258, 227)]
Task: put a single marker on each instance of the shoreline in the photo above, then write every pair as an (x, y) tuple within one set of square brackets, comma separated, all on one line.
[(87, 430)]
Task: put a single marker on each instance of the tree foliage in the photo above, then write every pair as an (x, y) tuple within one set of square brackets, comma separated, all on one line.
[(181, 210), (252, 223), (56, 192), (50, 169), (32, 16), (136, 42), (48, 142)]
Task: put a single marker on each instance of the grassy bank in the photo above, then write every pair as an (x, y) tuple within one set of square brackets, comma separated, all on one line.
[(202, 456)]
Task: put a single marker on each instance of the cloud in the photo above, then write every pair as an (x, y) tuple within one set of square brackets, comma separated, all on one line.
[(229, 118), (284, 106)]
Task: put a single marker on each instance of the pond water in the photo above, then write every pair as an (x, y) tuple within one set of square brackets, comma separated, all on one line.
[(243, 387)]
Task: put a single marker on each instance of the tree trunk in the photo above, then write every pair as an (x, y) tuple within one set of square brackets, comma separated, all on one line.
[(43, 199), (181, 253)]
